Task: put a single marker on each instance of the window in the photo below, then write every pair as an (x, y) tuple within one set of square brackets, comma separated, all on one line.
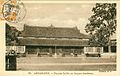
[(113, 49), (105, 49), (99, 49)]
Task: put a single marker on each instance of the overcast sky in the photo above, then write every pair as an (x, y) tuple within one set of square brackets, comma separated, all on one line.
[(58, 14)]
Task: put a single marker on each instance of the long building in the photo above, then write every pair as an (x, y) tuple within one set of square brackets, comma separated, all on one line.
[(57, 41)]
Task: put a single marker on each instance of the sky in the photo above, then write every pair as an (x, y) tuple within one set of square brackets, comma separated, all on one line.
[(57, 14)]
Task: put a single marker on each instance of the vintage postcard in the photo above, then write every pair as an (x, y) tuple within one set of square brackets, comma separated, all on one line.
[(59, 38)]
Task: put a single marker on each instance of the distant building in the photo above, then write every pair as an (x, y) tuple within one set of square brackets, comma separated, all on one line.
[(58, 41)]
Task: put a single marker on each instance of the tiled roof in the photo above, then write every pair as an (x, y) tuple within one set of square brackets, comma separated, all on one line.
[(53, 42), (52, 32)]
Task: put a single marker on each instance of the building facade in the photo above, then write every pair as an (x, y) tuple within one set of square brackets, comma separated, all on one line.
[(57, 41)]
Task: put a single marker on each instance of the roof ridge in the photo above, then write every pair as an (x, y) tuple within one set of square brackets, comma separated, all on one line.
[(51, 27)]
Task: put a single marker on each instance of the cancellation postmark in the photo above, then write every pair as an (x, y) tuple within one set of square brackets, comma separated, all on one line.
[(13, 11)]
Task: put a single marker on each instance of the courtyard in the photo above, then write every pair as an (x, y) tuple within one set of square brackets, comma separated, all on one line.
[(66, 64)]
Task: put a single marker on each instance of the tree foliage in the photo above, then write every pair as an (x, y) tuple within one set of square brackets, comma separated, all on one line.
[(102, 24), (11, 35)]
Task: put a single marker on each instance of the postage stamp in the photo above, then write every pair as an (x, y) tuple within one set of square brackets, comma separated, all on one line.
[(13, 11)]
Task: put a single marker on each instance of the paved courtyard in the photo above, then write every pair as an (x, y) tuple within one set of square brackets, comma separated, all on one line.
[(65, 64)]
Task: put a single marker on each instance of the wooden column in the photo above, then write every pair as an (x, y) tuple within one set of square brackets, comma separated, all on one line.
[(102, 49), (55, 52), (109, 46), (109, 49), (37, 51), (25, 51)]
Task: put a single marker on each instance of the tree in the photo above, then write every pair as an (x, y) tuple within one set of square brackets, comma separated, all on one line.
[(102, 24), (11, 35)]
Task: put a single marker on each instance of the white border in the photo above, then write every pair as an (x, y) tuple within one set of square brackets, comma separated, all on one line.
[(25, 73)]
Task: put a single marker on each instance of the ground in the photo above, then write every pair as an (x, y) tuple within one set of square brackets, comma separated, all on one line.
[(66, 64)]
